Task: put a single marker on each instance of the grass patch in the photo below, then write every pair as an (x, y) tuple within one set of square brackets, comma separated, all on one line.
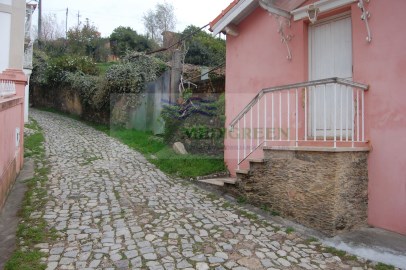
[(212, 196), (32, 145), (32, 231), (248, 215), (242, 200), (165, 158), (25, 260), (289, 230), (89, 160), (226, 205), (340, 253), (382, 266), (103, 67), (275, 213), (311, 239), (265, 208)]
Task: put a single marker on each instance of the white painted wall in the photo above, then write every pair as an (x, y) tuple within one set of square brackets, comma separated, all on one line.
[(6, 2), (5, 34)]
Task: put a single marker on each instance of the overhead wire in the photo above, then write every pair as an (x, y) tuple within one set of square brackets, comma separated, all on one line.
[(179, 41)]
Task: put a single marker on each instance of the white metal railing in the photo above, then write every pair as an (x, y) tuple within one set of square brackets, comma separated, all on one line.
[(325, 113), (7, 88)]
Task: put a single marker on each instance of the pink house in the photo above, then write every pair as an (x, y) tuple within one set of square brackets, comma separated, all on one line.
[(12, 92), (315, 106)]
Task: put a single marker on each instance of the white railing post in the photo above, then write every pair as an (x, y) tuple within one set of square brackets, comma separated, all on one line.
[(357, 115), (341, 113), (315, 113), (238, 144), (325, 112), (352, 117), (297, 120), (251, 133), (335, 115), (258, 107), (280, 115), (244, 134), (265, 118), (288, 115), (273, 121), (305, 113), (347, 111), (363, 117)]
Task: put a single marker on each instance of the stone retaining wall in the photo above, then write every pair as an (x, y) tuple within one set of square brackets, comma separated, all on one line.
[(327, 191)]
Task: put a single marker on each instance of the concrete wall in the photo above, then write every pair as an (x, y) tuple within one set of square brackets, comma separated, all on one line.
[(11, 120), (256, 59)]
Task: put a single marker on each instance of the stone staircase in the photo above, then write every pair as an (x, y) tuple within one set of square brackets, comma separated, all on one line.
[(219, 181), (241, 175)]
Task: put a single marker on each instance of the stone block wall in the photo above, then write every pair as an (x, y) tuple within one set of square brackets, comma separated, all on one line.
[(327, 191)]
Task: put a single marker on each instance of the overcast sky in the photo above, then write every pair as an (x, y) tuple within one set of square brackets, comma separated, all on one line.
[(109, 14)]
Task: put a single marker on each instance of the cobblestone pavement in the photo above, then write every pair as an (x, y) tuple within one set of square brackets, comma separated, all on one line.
[(114, 210)]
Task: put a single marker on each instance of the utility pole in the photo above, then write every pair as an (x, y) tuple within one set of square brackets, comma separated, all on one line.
[(66, 24), (78, 17), (39, 19)]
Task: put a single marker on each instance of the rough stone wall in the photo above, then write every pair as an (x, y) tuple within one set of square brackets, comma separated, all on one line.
[(323, 190), (217, 85), (68, 101)]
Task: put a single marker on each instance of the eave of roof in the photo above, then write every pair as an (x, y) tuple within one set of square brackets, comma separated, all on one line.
[(239, 9), (223, 12)]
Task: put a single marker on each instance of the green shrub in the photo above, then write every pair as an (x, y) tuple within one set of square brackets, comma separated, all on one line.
[(86, 85), (39, 66), (58, 68), (197, 122), (131, 75)]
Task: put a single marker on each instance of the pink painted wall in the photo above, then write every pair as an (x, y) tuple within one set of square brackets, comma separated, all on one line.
[(256, 59), (11, 117), (382, 64)]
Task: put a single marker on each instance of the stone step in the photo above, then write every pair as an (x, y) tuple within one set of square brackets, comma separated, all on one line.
[(219, 181), (257, 160), (242, 171)]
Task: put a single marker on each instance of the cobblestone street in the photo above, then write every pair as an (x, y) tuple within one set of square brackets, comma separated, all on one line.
[(115, 210)]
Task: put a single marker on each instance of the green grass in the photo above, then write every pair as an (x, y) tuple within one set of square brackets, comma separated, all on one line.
[(340, 253), (212, 196), (103, 67), (226, 205), (265, 208), (382, 266), (242, 200), (25, 260), (311, 239), (248, 215), (33, 144), (289, 230), (165, 158), (275, 213)]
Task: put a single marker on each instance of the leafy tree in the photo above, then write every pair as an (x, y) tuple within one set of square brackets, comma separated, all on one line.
[(159, 20), (125, 39), (85, 40), (203, 48)]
